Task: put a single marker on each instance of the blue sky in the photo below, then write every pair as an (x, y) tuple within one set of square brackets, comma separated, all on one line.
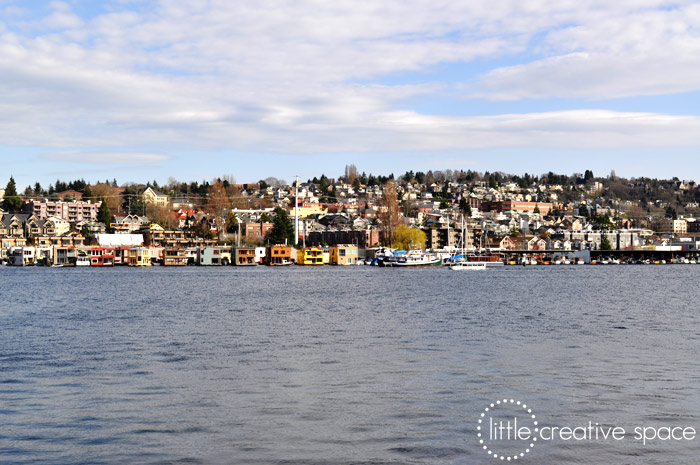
[(141, 90)]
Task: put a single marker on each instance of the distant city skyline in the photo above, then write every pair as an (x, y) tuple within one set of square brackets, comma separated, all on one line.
[(144, 90)]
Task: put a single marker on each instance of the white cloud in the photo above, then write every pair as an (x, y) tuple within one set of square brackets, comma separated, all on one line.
[(270, 76), (106, 158)]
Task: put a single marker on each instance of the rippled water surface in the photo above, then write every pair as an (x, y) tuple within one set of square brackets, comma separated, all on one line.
[(352, 365)]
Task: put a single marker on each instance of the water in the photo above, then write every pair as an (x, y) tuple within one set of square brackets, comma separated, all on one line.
[(340, 366)]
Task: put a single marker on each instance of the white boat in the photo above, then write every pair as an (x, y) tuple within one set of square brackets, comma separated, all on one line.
[(82, 260), (413, 258), (567, 261), (468, 266)]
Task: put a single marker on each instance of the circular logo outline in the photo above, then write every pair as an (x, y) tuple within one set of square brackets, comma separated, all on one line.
[(507, 402)]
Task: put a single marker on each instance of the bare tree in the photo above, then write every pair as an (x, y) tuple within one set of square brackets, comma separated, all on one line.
[(218, 203), (388, 214), (350, 173)]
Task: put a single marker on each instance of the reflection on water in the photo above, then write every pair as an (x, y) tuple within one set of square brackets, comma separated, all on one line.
[(340, 365)]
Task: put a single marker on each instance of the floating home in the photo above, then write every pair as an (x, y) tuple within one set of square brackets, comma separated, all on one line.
[(213, 256), (278, 255), (174, 256), (139, 256), (310, 256), (343, 254), (244, 256)]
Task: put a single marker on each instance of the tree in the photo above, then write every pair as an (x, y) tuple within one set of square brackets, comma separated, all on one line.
[(388, 214), (265, 218), (605, 243), (231, 223), (103, 214), (465, 208), (408, 238), (350, 173), (218, 203), (537, 209), (356, 185), (11, 202), (282, 231)]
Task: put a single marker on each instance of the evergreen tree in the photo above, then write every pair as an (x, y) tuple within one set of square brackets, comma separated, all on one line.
[(104, 215), (282, 229), (12, 202), (465, 207)]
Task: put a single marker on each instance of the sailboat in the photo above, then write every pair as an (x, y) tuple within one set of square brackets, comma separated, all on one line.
[(458, 263)]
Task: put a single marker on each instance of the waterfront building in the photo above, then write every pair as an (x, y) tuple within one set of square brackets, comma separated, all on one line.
[(139, 256), (174, 256), (244, 255), (101, 256), (343, 254), (277, 255), (310, 256), (213, 256)]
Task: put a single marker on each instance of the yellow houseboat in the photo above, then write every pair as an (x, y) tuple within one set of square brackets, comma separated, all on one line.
[(310, 256)]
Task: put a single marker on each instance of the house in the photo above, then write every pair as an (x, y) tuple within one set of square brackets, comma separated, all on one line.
[(101, 256), (244, 255), (502, 243), (153, 197), (12, 224), (343, 254), (277, 255), (256, 231), (128, 224), (139, 256), (208, 256), (174, 256), (310, 256)]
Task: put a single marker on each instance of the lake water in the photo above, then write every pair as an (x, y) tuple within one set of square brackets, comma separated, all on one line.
[(342, 366)]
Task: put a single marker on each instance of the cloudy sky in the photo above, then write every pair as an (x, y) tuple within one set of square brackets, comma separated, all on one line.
[(149, 89)]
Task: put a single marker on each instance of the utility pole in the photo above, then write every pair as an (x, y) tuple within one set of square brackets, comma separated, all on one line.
[(296, 210)]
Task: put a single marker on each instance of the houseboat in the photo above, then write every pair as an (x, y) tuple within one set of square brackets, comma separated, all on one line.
[(174, 256), (213, 256), (343, 254), (139, 256), (278, 255), (21, 256), (244, 256), (101, 256), (312, 256)]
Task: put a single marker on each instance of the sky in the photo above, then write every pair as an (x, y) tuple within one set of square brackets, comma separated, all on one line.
[(142, 90)]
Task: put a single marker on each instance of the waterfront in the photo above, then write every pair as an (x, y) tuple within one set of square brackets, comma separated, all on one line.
[(339, 365)]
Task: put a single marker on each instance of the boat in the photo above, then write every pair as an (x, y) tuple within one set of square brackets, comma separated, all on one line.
[(82, 260), (489, 260), (468, 266), (414, 258)]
